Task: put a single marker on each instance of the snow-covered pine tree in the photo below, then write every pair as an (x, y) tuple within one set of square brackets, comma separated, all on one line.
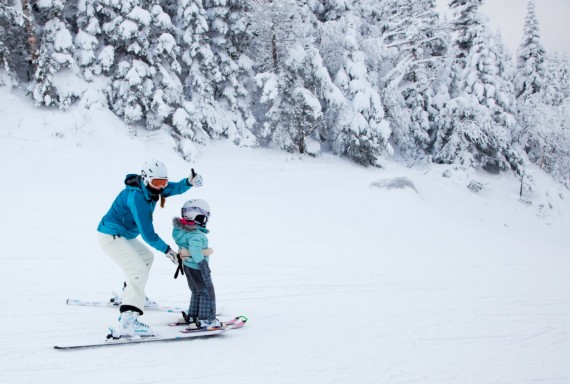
[(11, 30), (564, 78), (271, 28), (465, 25), (229, 38), (163, 53), (140, 52), (543, 107), (505, 64), (531, 58), (327, 10), (552, 145), (314, 95), (170, 7), (330, 39), (96, 22), (506, 109), (126, 31), (361, 131), (295, 96), (55, 54), (195, 121), (86, 39), (470, 126), (530, 81), (556, 87), (293, 81), (31, 36), (415, 43)]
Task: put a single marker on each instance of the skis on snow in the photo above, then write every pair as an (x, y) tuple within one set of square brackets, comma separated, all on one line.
[(234, 323), (185, 334)]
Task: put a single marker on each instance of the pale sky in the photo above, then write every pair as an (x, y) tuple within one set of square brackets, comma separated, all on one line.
[(508, 17)]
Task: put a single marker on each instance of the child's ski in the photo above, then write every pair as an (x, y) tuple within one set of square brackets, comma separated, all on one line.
[(113, 342), (235, 323)]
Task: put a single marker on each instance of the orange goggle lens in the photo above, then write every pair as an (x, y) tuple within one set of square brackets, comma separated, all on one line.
[(158, 183)]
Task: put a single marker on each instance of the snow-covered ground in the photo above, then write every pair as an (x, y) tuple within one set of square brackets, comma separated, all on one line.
[(344, 279)]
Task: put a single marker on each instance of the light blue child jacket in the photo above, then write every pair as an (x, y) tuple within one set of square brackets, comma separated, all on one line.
[(193, 238)]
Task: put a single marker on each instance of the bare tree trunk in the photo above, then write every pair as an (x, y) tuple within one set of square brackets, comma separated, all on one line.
[(29, 23), (274, 50)]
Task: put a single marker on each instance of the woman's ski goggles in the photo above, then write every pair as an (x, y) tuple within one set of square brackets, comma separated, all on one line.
[(158, 183)]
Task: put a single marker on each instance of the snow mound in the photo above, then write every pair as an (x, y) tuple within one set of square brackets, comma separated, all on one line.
[(395, 183)]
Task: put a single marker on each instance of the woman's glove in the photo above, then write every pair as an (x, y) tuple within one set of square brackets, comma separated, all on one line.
[(172, 256), (195, 180)]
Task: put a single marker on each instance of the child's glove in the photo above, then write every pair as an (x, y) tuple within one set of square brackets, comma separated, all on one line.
[(195, 180), (184, 253), (172, 256)]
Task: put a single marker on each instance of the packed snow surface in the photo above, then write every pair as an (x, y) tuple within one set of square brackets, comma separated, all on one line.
[(347, 274)]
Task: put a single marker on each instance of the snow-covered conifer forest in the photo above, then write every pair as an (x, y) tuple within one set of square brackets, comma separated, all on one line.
[(369, 80)]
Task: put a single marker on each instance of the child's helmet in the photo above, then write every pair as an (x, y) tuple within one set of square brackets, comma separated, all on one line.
[(196, 210), (154, 169)]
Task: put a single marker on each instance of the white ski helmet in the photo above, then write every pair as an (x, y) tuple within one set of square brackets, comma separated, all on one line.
[(153, 169), (196, 210)]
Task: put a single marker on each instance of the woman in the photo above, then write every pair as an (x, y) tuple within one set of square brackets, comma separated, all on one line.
[(131, 215)]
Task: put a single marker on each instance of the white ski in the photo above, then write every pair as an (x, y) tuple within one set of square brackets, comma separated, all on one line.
[(140, 340), (112, 304)]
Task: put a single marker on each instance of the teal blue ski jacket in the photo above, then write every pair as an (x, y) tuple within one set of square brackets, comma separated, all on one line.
[(193, 238), (131, 212)]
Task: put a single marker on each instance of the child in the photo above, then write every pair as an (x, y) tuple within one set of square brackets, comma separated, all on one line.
[(190, 233)]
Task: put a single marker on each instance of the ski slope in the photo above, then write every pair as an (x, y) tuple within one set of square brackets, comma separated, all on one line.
[(345, 275)]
